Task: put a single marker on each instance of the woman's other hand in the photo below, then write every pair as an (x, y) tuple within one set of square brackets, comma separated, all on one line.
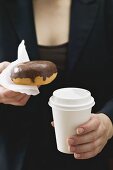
[(11, 97), (91, 137)]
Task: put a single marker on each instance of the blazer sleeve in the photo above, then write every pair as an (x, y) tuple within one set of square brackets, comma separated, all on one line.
[(8, 38), (109, 15), (108, 107)]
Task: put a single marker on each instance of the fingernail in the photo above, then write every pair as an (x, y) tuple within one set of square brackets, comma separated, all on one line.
[(76, 155), (71, 141), (79, 131)]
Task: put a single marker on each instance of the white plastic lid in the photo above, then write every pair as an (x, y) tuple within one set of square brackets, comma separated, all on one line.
[(71, 99)]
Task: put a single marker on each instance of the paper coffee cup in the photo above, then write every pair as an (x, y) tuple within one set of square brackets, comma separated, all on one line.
[(70, 107)]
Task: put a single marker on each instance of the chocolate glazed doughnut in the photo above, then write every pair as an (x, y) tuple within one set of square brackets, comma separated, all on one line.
[(36, 73)]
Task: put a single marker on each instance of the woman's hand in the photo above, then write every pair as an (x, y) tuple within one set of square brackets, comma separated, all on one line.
[(3, 65), (11, 97), (91, 137)]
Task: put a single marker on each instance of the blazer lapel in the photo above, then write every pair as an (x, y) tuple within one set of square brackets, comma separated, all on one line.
[(22, 15), (83, 17)]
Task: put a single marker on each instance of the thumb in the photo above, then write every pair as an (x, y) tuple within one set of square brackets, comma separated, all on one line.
[(3, 65), (52, 123)]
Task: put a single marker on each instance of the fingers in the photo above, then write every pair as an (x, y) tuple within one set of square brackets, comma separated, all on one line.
[(87, 155), (89, 150), (9, 93), (86, 150), (89, 141), (86, 133), (78, 140), (89, 126), (3, 65), (13, 98), (22, 101), (90, 138), (85, 147)]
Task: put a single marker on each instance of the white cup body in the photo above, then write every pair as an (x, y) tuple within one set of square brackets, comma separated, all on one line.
[(68, 113)]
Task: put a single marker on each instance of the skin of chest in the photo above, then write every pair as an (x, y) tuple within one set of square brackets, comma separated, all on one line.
[(51, 22)]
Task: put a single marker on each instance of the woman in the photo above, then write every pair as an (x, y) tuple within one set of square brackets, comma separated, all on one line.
[(78, 36)]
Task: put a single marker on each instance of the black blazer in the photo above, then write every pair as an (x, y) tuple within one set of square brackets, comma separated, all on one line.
[(90, 49), (89, 62)]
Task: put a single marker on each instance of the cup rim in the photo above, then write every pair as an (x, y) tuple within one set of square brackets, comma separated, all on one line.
[(71, 107), (83, 97)]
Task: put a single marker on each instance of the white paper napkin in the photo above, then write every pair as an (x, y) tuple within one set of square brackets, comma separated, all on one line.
[(6, 81)]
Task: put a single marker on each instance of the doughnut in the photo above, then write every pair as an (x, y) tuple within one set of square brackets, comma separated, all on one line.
[(35, 73)]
